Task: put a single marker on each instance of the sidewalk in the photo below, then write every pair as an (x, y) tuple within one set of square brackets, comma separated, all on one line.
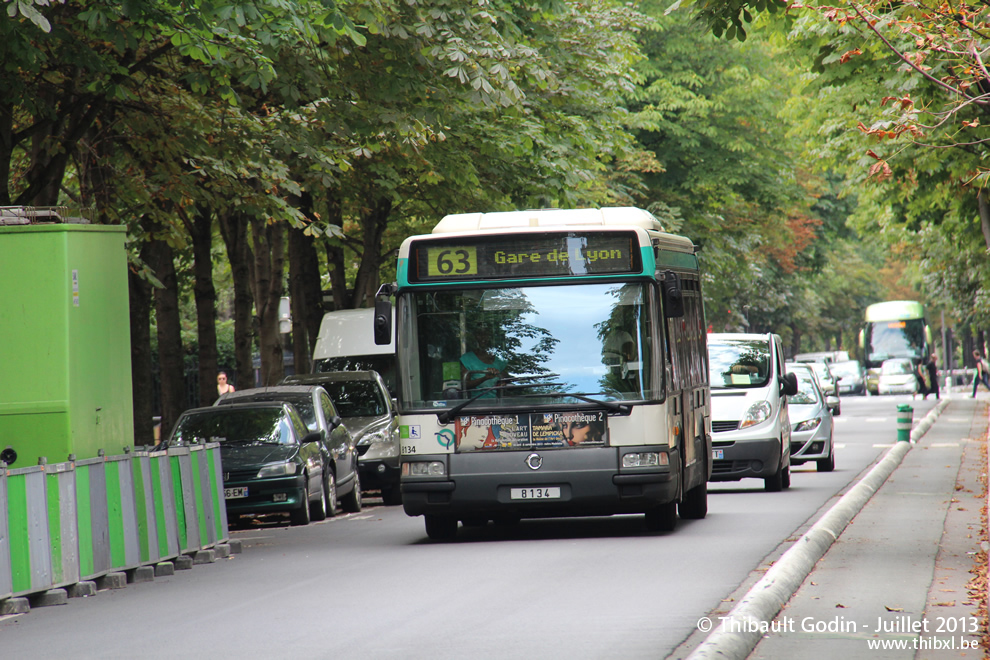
[(895, 583), (896, 552)]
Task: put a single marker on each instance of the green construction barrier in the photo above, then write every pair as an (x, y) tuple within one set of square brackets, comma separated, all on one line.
[(166, 520), (63, 523), (216, 490), (94, 520), (27, 517), (6, 584), (121, 514)]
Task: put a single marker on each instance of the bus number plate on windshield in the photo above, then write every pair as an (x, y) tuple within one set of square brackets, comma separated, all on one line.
[(235, 493), (540, 493)]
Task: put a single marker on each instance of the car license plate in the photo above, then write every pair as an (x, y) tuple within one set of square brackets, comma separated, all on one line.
[(235, 493), (538, 493), (718, 454)]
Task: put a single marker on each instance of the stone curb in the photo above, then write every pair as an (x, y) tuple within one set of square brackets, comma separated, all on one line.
[(764, 601)]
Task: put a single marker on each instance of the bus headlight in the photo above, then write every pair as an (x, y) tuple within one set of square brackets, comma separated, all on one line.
[(424, 469), (645, 459), (757, 414)]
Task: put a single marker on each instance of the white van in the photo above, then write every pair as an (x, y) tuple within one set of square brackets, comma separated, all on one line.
[(751, 428), (347, 343)]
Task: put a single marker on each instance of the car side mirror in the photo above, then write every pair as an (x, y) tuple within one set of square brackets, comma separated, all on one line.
[(335, 421), (313, 436), (788, 385), (395, 406)]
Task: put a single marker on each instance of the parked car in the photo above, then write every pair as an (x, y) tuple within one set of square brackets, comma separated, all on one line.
[(851, 375), (823, 356), (337, 447), (811, 422), (362, 400), (897, 376), (829, 384), (271, 462), (751, 428)]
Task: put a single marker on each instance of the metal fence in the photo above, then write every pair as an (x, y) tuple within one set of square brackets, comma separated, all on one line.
[(77, 521)]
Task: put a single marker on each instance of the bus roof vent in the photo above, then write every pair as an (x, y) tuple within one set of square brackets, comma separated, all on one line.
[(620, 216)]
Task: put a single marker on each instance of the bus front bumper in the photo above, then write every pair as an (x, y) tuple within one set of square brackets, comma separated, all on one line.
[(569, 482)]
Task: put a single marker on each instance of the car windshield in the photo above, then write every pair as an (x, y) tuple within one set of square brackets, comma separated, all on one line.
[(302, 401), (384, 364), (896, 367), (821, 370), (356, 398), (843, 369), (242, 426), (739, 362), (807, 393)]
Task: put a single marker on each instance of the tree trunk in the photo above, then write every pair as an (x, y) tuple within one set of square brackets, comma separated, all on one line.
[(368, 278), (335, 257), (268, 267), (140, 297), (234, 230), (305, 297), (169, 335), (984, 207), (200, 229)]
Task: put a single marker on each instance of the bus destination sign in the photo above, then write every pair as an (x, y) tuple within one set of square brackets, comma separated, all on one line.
[(529, 255)]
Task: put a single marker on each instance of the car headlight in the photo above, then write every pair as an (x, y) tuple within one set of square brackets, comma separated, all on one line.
[(277, 470), (808, 425), (377, 436), (757, 414)]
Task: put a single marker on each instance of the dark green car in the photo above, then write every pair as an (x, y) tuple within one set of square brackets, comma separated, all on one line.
[(271, 462)]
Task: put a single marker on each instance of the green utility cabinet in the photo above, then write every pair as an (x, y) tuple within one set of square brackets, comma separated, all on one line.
[(65, 362)]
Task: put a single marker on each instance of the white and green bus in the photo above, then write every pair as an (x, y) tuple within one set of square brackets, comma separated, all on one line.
[(895, 329), (550, 363)]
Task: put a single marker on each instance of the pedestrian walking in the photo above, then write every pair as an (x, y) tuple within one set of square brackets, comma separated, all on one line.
[(931, 366), (921, 375), (982, 374)]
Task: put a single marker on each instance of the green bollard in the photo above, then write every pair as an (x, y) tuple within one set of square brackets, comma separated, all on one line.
[(905, 413)]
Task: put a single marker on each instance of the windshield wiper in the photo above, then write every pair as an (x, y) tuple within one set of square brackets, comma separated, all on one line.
[(445, 416)]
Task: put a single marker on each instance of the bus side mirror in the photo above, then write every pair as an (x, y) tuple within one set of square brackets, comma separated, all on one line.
[(862, 338), (673, 297), (383, 316)]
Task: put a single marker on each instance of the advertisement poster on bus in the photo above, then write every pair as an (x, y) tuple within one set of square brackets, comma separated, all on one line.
[(531, 431)]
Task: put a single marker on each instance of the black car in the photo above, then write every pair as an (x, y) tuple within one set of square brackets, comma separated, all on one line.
[(362, 399), (337, 445), (271, 463)]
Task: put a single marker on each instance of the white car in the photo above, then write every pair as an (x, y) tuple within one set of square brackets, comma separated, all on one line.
[(897, 376), (811, 422), (751, 429)]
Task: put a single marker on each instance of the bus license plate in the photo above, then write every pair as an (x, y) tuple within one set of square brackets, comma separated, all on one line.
[(539, 493), (717, 454), (235, 493)]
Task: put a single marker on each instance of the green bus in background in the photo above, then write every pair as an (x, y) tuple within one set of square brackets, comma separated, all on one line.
[(893, 329)]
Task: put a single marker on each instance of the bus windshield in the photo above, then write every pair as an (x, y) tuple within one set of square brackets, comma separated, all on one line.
[(527, 346), (895, 339)]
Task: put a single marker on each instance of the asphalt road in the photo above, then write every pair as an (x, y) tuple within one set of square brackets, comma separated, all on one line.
[(370, 585)]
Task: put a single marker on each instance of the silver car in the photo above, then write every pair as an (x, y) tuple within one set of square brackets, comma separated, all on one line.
[(362, 400), (811, 422)]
